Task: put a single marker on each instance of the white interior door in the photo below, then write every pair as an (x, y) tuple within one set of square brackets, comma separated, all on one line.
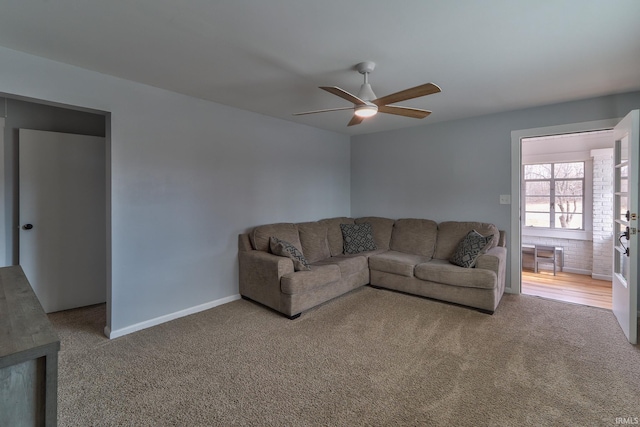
[(63, 217), (625, 251)]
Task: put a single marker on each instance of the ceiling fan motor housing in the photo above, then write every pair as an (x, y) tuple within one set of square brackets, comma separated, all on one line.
[(366, 93)]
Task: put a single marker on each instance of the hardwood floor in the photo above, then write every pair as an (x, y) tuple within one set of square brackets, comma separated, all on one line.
[(575, 288)]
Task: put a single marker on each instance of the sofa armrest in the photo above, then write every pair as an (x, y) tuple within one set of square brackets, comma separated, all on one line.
[(495, 259), (502, 240), (260, 274)]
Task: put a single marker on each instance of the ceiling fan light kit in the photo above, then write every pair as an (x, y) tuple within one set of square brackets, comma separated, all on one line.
[(366, 110), (366, 104)]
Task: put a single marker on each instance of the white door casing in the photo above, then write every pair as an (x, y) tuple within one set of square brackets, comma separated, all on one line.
[(62, 195), (3, 235), (625, 251)]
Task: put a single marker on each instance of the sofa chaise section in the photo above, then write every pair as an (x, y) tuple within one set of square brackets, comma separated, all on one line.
[(418, 264)]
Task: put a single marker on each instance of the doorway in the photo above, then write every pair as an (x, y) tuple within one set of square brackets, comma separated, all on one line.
[(567, 216), (515, 237), (43, 116)]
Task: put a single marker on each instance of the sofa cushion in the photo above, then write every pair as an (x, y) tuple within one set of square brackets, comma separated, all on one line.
[(304, 281), (348, 264), (334, 233), (415, 236), (363, 254), (450, 233), (286, 249), (396, 262), (469, 249), (357, 238), (284, 231), (441, 271), (313, 239), (382, 228)]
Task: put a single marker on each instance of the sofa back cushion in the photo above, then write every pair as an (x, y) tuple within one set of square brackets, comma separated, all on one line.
[(382, 229), (334, 233), (283, 231), (313, 238), (414, 236), (450, 233)]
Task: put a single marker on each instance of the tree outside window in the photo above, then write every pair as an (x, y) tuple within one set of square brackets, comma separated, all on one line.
[(554, 195)]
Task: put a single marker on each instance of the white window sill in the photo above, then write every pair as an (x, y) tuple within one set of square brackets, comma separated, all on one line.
[(558, 234)]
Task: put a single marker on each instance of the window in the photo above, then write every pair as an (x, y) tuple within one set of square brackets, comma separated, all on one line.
[(554, 195)]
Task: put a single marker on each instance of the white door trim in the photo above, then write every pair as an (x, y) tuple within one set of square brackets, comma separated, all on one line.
[(3, 218), (515, 240)]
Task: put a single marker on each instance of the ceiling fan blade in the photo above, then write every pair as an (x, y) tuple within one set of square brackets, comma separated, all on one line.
[(343, 94), (403, 95), (355, 120), (416, 113), (323, 111)]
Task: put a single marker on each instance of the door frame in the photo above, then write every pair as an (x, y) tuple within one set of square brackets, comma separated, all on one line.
[(3, 216), (515, 238)]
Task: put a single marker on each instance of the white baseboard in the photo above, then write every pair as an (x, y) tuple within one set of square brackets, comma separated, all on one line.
[(576, 271), (167, 317), (606, 277)]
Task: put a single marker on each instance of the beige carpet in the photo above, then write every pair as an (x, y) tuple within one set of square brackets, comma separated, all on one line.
[(372, 357)]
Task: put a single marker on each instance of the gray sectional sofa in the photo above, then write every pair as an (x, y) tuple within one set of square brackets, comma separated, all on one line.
[(410, 255)]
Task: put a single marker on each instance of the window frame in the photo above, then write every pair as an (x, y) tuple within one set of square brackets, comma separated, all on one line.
[(552, 180), (569, 157)]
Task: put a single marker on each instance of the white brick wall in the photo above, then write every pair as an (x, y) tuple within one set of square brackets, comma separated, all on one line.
[(602, 213), (577, 253)]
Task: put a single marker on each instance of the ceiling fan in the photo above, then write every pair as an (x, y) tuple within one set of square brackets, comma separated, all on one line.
[(365, 104)]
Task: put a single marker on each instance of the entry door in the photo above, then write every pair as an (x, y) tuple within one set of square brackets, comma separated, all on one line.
[(63, 218), (625, 251)]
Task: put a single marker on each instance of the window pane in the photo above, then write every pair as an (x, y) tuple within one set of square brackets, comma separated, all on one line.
[(622, 265), (624, 148), (624, 171), (568, 170), (568, 221), (537, 188), (569, 188), (569, 205), (537, 204), (537, 220), (542, 171), (621, 229), (624, 185), (624, 206), (621, 259)]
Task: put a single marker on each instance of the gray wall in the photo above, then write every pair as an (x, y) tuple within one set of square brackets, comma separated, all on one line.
[(186, 177), (456, 170), (29, 115)]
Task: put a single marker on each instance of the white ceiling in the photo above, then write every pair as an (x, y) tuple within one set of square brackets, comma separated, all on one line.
[(270, 56)]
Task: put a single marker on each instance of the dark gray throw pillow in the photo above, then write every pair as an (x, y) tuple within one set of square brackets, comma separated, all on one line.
[(469, 249), (357, 238), (284, 248)]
